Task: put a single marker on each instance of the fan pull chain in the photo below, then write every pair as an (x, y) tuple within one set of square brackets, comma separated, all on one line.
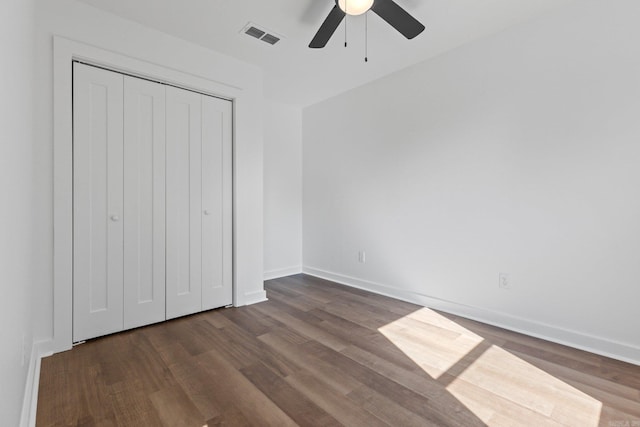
[(346, 16), (366, 36)]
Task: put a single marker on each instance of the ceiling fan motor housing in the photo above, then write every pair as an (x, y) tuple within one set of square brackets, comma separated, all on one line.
[(355, 7)]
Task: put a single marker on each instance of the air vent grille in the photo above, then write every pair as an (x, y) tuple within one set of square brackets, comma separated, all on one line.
[(270, 38), (261, 33), (255, 32)]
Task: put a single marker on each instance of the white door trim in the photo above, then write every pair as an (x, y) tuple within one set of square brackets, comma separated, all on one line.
[(65, 51)]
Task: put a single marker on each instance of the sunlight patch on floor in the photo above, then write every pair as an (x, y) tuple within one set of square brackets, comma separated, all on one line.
[(447, 341), (518, 393), (498, 387)]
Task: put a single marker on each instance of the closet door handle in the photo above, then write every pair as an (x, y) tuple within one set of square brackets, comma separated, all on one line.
[(115, 218)]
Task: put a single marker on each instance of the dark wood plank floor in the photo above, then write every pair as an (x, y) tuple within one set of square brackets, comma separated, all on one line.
[(318, 353)]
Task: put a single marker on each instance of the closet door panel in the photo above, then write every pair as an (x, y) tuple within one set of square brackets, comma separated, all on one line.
[(98, 209), (144, 202), (184, 203), (217, 142)]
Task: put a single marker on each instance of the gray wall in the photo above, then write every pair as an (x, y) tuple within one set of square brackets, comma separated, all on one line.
[(17, 240), (282, 190)]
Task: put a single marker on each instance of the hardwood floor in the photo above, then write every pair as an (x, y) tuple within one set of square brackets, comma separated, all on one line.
[(318, 353)]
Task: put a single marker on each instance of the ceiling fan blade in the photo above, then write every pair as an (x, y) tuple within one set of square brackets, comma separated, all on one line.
[(327, 28), (398, 18)]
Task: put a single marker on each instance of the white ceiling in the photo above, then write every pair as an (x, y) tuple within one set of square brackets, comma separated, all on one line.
[(295, 74)]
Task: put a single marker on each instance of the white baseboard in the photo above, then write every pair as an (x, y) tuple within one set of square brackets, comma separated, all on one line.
[(255, 297), (30, 400), (282, 272), (593, 344)]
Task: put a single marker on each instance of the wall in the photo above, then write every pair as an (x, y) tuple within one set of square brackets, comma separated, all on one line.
[(282, 190), (16, 189), (518, 154), (88, 25)]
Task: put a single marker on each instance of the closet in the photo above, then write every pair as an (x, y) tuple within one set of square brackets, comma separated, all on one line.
[(152, 202)]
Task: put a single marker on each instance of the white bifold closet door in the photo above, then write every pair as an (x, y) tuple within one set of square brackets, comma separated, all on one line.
[(144, 202), (98, 229), (152, 202), (198, 224), (217, 200)]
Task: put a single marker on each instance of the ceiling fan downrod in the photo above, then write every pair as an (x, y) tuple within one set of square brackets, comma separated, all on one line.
[(345, 23), (366, 37)]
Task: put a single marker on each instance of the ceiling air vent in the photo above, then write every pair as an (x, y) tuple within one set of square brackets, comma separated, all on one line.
[(270, 38), (255, 32), (261, 33)]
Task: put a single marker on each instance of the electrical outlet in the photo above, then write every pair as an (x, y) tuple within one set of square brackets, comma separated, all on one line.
[(503, 281), (362, 257)]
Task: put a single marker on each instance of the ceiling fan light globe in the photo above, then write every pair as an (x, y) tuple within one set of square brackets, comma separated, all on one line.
[(355, 7)]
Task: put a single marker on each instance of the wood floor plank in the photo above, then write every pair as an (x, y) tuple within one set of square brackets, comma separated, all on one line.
[(301, 409), (319, 353), (132, 407), (314, 293), (358, 314), (364, 338), (243, 349), (236, 390), (295, 300), (285, 306), (216, 318), (602, 389), (140, 358), (168, 348), (61, 408), (412, 401), (85, 399), (386, 409), (311, 331), (200, 385), (493, 409), (305, 357), (232, 416), (564, 356), (612, 417), (334, 403), (249, 320), (189, 339), (415, 379), (175, 409), (433, 355)]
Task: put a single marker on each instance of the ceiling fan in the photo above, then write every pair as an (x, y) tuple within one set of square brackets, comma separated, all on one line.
[(388, 10)]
